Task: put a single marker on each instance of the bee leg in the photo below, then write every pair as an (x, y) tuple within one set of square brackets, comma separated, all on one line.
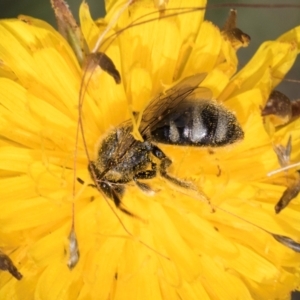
[(165, 163), (148, 174), (115, 195)]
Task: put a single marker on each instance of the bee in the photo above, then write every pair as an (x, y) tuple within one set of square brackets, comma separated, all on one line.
[(180, 116), (185, 115)]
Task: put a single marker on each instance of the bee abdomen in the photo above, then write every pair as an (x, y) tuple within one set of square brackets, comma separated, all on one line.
[(199, 124)]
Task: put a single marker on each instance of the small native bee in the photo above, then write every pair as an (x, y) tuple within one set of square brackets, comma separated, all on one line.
[(180, 116), (184, 115)]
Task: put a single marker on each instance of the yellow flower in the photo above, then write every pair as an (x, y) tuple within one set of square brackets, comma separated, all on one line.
[(177, 248)]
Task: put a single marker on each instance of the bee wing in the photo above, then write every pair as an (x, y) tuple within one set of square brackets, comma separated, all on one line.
[(202, 93), (159, 108), (163, 105)]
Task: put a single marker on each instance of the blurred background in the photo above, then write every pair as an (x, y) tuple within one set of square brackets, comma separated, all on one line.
[(260, 23)]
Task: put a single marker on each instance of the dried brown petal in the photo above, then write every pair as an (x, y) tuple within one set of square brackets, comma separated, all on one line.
[(279, 106), (105, 63), (288, 242), (288, 195), (295, 109), (68, 28), (236, 36), (6, 264)]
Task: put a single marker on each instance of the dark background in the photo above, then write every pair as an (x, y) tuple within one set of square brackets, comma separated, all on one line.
[(260, 23)]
